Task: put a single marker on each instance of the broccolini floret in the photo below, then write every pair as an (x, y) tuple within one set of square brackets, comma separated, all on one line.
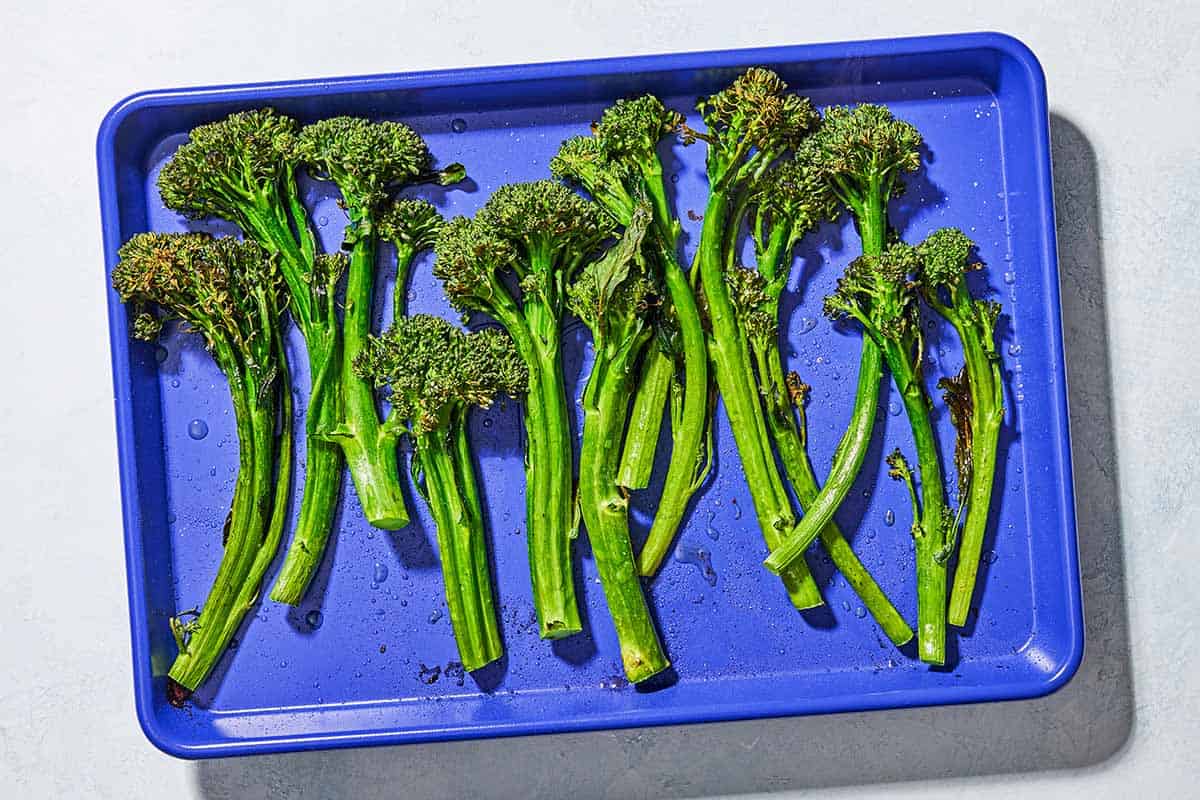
[(411, 226)]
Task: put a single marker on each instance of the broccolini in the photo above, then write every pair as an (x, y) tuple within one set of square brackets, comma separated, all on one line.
[(231, 293), (861, 154), (616, 298), (541, 234), (617, 164), (975, 396), (436, 374)]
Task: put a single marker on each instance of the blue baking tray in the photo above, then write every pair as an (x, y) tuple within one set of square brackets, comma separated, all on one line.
[(367, 659)]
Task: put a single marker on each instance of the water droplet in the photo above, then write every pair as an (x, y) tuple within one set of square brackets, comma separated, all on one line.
[(212, 470), (675, 178), (737, 509), (871, 534), (175, 383), (322, 220), (197, 429), (889, 517), (314, 619), (487, 422), (160, 353), (1020, 397), (458, 125), (283, 663), (434, 616), (170, 518), (893, 408), (370, 534), (691, 554), (837, 376), (860, 612), (1014, 349), (1010, 277), (381, 572), (845, 606), (806, 325), (712, 532), (989, 557)]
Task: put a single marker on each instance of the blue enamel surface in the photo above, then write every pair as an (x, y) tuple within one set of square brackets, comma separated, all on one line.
[(737, 647)]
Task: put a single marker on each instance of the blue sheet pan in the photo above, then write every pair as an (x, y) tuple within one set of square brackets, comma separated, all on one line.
[(354, 664)]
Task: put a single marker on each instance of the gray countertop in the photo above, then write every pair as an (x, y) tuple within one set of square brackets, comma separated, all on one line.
[(1124, 117)]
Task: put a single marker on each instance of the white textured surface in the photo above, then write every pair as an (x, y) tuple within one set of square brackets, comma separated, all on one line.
[(1124, 99)]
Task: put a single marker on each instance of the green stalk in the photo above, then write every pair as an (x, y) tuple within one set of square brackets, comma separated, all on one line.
[(255, 421), (405, 254), (605, 511), (371, 453), (659, 367), (856, 441), (930, 533), (248, 594), (790, 439), (322, 480), (987, 400), (646, 418), (688, 465), (735, 378), (687, 431), (323, 459), (550, 499), (454, 503)]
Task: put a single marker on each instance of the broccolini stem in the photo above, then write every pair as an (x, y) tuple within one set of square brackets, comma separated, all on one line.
[(405, 253), (453, 501), (370, 453), (646, 418), (688, 451), (735, 378), (550, 500), (255, 419), (789, 438), (605, 511), (983, 374), (322, 481), (658, 378), (268, 230), (248, 595), (930, 533), (323, 459), (856, 441)]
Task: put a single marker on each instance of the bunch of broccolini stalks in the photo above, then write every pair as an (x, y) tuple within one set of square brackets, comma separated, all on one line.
[(667, 341)]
